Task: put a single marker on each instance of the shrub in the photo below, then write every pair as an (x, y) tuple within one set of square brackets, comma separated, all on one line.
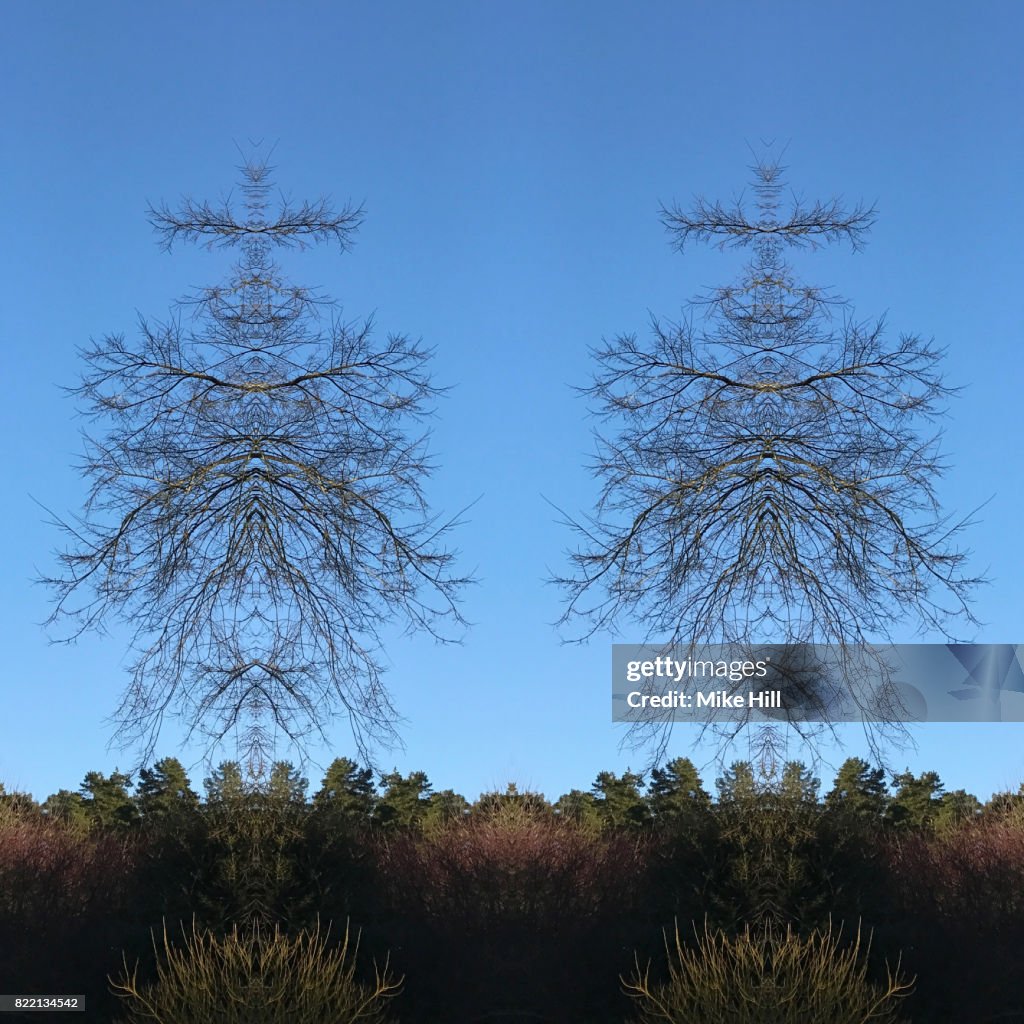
[(255, 978), (955, 902), (508, 911), (971, 876), (765, 977), (769, 861), (68, 902), (247, 862)]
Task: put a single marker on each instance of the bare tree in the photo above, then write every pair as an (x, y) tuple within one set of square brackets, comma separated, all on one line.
[(768, 481), (256, 511)]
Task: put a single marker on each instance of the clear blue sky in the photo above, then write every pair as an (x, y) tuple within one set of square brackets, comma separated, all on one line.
[(511, 158)]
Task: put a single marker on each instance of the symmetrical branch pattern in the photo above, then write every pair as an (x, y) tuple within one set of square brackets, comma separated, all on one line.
[(256, 510), (768, 481)]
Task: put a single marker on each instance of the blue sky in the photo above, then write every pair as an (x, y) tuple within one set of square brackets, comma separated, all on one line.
[(511, 159)]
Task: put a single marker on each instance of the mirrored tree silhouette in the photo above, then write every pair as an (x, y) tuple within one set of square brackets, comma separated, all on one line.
[(256, 511), (770, 474)]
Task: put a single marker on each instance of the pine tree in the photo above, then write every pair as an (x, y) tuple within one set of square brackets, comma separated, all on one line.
[(859, 791), (676, 794), (67, 807), (737, 784), (579, 808), (916, 801), (798, 784), (18, 804), (164, 792), (347, 794), (619, 802), (512, 805), (446, 807), (957, 808), (404, 801), (286, 784), (225, 783), (107, 801)]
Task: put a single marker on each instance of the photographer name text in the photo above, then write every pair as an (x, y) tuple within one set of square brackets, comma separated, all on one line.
[(761, 699)]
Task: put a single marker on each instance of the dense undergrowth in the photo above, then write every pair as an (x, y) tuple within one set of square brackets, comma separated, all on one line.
[(510, 910)]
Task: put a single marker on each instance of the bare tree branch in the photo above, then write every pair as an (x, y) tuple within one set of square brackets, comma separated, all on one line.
[(768, 480), (256, 511)]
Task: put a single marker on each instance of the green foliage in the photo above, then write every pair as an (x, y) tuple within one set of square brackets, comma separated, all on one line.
[(676, 794), (767, 977), (619, 802), (164, 794), (768, 863), (108, 804), (501, 888), (254, 978), (17, 804), (446, 808), (68, 808), (737, 783), (347, 794), (797, 784), (859, 791), (225, 783), (916, 802), (578, 808), (956, 809), (405, 800), (252, 867), (1006, 806), (286, 785), (512, 805)]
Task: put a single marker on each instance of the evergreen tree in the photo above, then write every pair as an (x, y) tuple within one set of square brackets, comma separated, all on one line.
[(619, 802), (164, 792), (404, 801), (445, 808), (347, 793), (916, 801), (286, 784), (107, 801), (67, 807), (512, 803), (253, 867), (798, 784), (859, 790), (676, 794), (18, 804), (737, 783), (1006, 806), (579, 808), (767, 865), (177, 833), (957, 808), (225, 783)]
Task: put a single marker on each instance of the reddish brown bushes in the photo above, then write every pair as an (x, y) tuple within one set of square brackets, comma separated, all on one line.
[(956, 904), (48, 870), (972, 876), (531, 870), (66, 903), (512, 904)]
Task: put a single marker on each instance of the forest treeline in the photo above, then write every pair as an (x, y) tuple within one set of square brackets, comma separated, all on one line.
[(630, 800), (514, 903)]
